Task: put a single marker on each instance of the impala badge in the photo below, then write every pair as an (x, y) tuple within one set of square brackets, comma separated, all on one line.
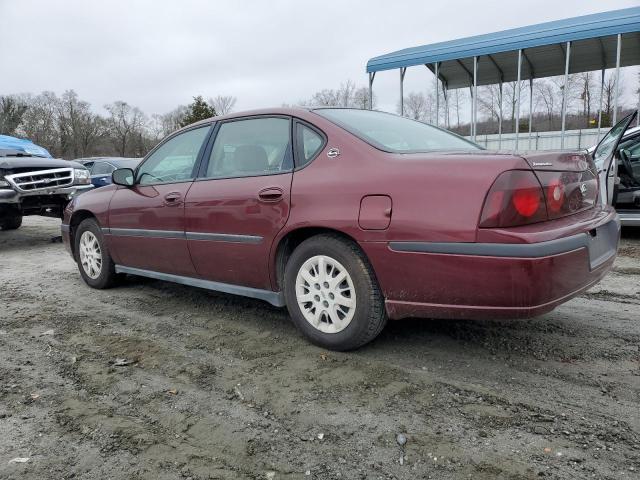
[(333, 153), (542, 164)]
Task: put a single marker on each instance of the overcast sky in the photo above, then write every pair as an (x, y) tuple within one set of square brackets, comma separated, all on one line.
[(158, 54)]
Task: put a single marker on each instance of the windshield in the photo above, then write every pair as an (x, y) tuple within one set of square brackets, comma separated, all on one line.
[(393, 133)]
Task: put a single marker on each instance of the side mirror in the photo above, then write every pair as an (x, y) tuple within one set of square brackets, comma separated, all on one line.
[(123, 176)]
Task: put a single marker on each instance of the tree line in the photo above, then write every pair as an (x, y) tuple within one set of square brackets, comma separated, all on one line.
[(68, 127), (582, 104)]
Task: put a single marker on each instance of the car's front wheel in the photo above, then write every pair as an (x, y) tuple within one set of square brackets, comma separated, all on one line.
[(332, 293), (11, 222), (94, 262)]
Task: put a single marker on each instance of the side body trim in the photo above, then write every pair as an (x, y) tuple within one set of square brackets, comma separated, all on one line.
[(523, 250), (214, 237), (274, 298), (223, 237)]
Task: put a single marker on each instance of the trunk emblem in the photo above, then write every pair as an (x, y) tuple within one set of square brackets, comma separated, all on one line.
[(542, 164), (583, 189)]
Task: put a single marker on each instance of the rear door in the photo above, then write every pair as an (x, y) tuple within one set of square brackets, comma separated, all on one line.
[(604, 156), (241, 200), (146, 221)]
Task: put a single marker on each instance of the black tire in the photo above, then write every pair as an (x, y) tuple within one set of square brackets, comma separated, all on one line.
[(12, 222), (370, 316), (107, 277)]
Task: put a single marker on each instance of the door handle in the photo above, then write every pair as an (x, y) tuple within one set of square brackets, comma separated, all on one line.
[(270, 194), (172, 199)]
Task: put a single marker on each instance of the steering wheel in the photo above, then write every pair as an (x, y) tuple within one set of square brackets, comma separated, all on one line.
[(624, 157)]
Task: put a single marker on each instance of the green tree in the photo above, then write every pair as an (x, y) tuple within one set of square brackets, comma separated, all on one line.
[(198, 110)]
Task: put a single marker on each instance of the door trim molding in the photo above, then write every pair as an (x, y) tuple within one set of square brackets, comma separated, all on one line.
[(213, 237), (274, 298), (223, 237), (139, 232)]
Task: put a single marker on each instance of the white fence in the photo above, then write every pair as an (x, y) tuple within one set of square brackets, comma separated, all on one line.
[(573, 139)]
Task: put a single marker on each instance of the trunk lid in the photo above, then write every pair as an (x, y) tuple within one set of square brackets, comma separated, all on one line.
[(559, 161)]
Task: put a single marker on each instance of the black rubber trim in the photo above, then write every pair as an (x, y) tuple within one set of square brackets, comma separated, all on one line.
[(522, 250), (224, 237), (214, 237), (274, 298), (138, 232)]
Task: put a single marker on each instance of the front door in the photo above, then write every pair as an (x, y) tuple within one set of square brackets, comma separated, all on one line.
[(605, 159), (146, 221), (241, 201)]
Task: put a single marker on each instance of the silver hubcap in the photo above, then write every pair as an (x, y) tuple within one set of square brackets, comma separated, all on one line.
[(90, 255), (325, 294)]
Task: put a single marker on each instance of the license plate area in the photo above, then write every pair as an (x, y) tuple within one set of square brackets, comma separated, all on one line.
[(603, 243)]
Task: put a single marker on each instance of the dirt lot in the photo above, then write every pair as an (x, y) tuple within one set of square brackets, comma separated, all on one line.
[(216, 386)]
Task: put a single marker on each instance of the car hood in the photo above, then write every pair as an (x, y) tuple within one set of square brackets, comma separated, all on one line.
[(36, 163)]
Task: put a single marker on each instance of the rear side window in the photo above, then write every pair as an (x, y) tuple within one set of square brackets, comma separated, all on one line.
[(392, 133), (308, 143), (251, 147)]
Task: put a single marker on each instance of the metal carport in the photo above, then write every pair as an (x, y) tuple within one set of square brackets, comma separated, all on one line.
[(573, 45)]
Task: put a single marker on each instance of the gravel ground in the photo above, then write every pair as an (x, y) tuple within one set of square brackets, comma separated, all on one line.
[(216, 386)]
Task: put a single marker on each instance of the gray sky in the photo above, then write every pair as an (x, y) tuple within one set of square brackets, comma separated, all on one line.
[(158, 54)]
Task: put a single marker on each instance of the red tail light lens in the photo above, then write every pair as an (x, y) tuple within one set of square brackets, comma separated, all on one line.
[(520, 197), (569, 192), (515, 198)]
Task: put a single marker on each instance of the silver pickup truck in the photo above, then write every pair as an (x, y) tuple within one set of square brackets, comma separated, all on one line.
[(33, 185)]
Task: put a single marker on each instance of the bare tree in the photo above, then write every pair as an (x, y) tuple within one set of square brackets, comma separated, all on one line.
[(585, 82), (40, 122), (223, 104), (125, 124), (12, 109), (79, 128), (416, 106), (361, 99), (348, 95), (489, 101)]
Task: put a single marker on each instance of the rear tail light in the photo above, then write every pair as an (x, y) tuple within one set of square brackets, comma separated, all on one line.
[(520, 197), (569, 192), (515, 198)]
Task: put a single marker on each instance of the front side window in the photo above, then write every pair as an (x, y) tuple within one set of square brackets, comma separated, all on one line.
[(392, 133), (309, 144), (252, 147), (174, 160)]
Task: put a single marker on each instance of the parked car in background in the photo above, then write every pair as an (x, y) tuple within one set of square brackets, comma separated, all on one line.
[(33, 183), (349, 217), (627, 195), (101, 168)]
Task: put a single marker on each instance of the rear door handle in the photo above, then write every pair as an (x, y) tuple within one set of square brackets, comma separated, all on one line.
[(270, 194), (172, 199)]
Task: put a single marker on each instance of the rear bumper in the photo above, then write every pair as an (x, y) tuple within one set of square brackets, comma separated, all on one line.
[(492, 280)]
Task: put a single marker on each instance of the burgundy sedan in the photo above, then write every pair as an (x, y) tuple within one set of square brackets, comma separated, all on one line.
[(352, 217)]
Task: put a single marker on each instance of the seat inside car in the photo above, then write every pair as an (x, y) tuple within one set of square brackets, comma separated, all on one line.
[(250, 158)]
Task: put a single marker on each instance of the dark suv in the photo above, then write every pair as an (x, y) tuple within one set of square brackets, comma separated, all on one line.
[(32, 183)]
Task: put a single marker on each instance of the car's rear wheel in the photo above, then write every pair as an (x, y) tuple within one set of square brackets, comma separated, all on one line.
[(94, 262), (332, 293), (11, 222)]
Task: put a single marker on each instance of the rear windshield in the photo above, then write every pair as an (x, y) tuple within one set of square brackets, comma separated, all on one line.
[(393, 133)]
